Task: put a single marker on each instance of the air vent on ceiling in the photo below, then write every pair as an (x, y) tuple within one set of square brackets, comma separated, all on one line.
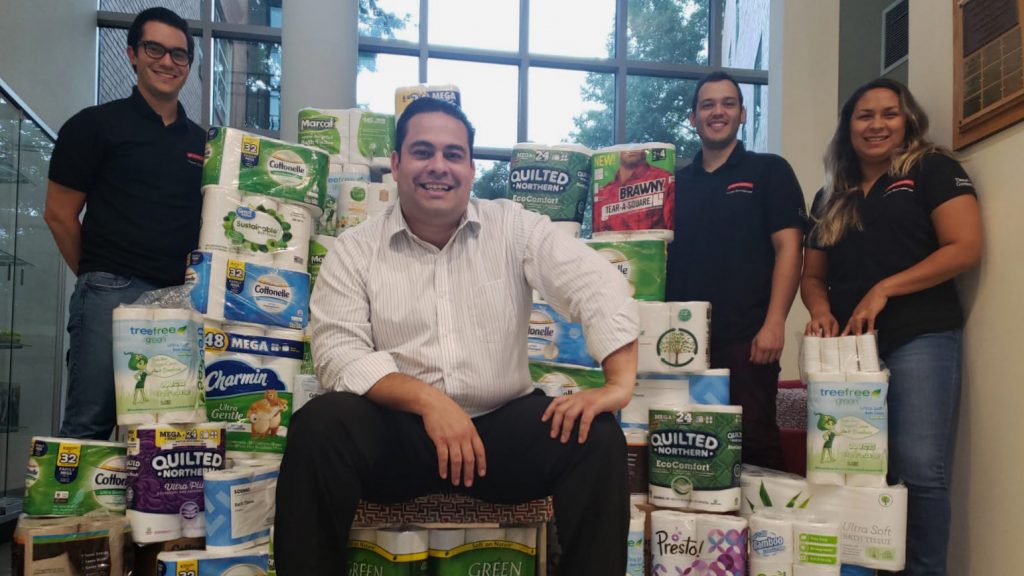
[(895, 35)]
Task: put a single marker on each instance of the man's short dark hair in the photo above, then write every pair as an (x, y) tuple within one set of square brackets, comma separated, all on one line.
[(164, 16), (717, 76), (424, 105)]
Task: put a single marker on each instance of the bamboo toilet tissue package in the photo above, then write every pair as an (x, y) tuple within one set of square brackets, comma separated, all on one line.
[(564, 379), (634, 189), (158, 362), (847, 428), (353, 135), (239, 506), (67, 477), (771, 537), (404, 95), (261, 165), (250, 378), (695, 457), (396, 551), (765, 489), (249, 562), (873, 523), (641, 258), (674, 337), (72, 546), (709, 387), (551, 180), (551, 337), (166, 464)]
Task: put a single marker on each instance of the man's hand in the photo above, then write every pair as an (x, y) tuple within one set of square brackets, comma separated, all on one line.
[(459, 448), (585, 405), (767, 345)]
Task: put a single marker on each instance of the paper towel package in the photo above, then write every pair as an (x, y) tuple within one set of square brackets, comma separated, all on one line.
[(551, 180), (394, 551), (847, 425), (68, 477), (766, 489), (158, 362), (873, 521), (564, 379), (257, 164), (319, 247), (249, 562), (404, 95), (640, 257), (551, 337), (634, 188), (250, 378), (239, 506), (352, 135), (494, 550), (72, 546), (674, 337), (710, 387)]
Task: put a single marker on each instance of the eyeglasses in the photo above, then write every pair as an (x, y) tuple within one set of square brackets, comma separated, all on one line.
[(156, 51)]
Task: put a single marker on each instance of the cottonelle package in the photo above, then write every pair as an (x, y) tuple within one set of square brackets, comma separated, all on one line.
[(640, 257), (257, 164), (353, 135), (551, 337), (564, 379), (67, 477)]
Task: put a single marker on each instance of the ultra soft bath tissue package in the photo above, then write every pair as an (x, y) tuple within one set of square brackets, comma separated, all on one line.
[(551, 180), (353, 135), (710, 387), (765, 489), (67, 477), (848, 426), (250, 377), (873, 522), (564, 379), (551, 337), (634, 189), (261, 165)]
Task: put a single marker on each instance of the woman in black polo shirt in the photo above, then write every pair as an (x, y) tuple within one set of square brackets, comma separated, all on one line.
[(896, 221)]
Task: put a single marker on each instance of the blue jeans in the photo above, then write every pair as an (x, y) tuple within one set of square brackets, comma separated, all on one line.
[(924, 399), (90, 411)]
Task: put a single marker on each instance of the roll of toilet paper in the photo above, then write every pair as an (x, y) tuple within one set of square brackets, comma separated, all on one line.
[(769, 568), (219, 206), (810, 356), (570, 229), (636, 559), (771, 537), (873, 521), (675, 545), (352, 200), (523, 535), (485, 534), (262, 228), (765, 489), (848, 354), (830, 361), (867, 352), (446, 539), (817, 541), (410, 544), (674, 337), (295, 252), (368, 535)]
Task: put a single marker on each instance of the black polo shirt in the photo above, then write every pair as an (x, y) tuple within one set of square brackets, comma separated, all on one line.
[(897, 232), (142, 185), (723, 252)]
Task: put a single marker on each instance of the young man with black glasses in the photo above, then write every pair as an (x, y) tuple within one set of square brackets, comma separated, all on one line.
[(136, 164)]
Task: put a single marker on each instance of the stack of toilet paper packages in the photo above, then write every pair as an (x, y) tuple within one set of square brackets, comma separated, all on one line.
[(553, 181), (640, 257), (72, 546), (687, 543), (68, 477), (442, 552), (634, 189), (694, 457), (166, 464), (250, 379), (353, 136), (847, 428), (249, 562), (767, 490), (404, 95), (158, 365), (873, 523), (362, 200), (240, 504), (652, 390), (796, 543), (258, 165), (839, 354)]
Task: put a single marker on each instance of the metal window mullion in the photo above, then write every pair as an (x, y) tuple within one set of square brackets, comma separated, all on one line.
[(621, 19), (715, 33), (206, 67), (524, 71), (424, 39)]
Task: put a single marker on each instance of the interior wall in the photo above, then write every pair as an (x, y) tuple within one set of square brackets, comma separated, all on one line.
[(802, 94), (860, 45), (986, 480)]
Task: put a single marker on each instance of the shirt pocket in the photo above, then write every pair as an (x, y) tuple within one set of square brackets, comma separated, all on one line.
[(493, 311)]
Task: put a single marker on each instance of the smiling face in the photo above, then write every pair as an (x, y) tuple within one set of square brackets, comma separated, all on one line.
[(878, 127), (434, 172), (160, 79), (718, 114)]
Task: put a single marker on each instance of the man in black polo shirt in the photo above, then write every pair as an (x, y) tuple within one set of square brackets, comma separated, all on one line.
[(135, 165), (739, 227)]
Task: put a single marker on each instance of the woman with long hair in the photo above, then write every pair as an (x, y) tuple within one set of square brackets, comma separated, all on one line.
[(895, 223)]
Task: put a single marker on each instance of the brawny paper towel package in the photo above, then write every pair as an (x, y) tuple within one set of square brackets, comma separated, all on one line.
[(873, 523), (641, 257), (260, 165), (765, 489), (634, 188), (847, 426), (710, 387), (674, 337), (551, 180), (67, 477), (564, 379), (249, 562), (354, 135), (551, 337)]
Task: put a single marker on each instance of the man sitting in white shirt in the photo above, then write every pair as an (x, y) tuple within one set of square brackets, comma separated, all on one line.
[(419, 325)]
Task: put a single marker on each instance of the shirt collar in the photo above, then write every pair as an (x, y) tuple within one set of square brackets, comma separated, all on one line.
[(146, 111), (734, 157), (396, 220)]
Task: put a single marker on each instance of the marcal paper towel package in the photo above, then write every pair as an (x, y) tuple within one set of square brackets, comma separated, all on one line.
[(873, 523), (551, 180), (404, 95), (239, 506), (848, 426), (158, 364), (233, 289), (257, 164), (72, 546), (249, 562), (695, 457), (640, 257), (634, 189), (250, 376), (765, 489), (709, 387), (67, 477), (166, 464), (674, 337), (564, 379), (551, 337), (319, 247), (354, 135)]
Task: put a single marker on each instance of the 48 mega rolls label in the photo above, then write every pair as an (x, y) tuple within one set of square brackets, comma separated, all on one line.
[(74, 477)]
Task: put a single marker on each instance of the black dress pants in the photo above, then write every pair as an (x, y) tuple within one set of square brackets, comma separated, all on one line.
[(343, 448)]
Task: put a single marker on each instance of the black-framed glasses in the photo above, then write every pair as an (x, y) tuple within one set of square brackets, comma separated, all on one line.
[(156, 51)]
